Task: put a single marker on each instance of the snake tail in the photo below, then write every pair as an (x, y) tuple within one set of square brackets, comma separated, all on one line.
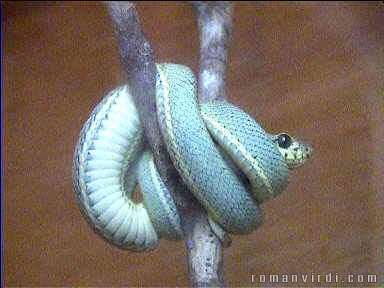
[(108, 160)]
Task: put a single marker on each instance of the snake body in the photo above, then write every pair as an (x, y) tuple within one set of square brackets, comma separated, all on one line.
[(208, 144)]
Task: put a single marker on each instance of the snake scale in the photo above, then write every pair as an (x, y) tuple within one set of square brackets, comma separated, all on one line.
[(225, 158)]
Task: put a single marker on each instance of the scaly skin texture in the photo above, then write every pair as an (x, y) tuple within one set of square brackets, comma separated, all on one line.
[(109, 160)]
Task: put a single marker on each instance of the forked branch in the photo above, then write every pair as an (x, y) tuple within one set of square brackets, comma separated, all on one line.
[(205, 255)]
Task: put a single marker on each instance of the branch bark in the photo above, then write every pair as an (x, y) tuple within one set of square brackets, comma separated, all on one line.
[(138, 62), (214, 19), (205, 255)]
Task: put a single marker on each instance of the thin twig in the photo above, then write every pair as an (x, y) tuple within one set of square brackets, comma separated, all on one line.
[(138, 62), (215, 24), (205, 256), (214, 19)]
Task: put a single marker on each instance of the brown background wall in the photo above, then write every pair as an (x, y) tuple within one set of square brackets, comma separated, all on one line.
[(313, 69)]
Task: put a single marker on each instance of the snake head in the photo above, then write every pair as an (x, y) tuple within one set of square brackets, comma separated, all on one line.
[(294, 151)]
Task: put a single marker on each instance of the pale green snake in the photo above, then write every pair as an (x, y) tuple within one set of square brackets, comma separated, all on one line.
[(225, 158)]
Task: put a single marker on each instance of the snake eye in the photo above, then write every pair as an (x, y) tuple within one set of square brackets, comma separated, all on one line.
[(284, 140)]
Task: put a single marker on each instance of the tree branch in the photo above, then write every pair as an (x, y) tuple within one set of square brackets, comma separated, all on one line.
[(138, 62), (214, 19), (205, 255)]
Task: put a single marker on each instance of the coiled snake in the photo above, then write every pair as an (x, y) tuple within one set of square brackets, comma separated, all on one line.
[(213, 146)]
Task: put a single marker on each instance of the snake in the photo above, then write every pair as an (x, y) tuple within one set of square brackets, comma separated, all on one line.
[(226, 159)]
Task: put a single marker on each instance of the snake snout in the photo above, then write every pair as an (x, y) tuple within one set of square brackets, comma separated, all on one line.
[(308, 151), (297, 154)]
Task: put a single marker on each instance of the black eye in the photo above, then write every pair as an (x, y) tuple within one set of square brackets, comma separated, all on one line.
[(284, 140)]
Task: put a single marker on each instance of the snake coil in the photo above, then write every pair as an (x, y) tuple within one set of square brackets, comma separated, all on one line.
[(226, 159)]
